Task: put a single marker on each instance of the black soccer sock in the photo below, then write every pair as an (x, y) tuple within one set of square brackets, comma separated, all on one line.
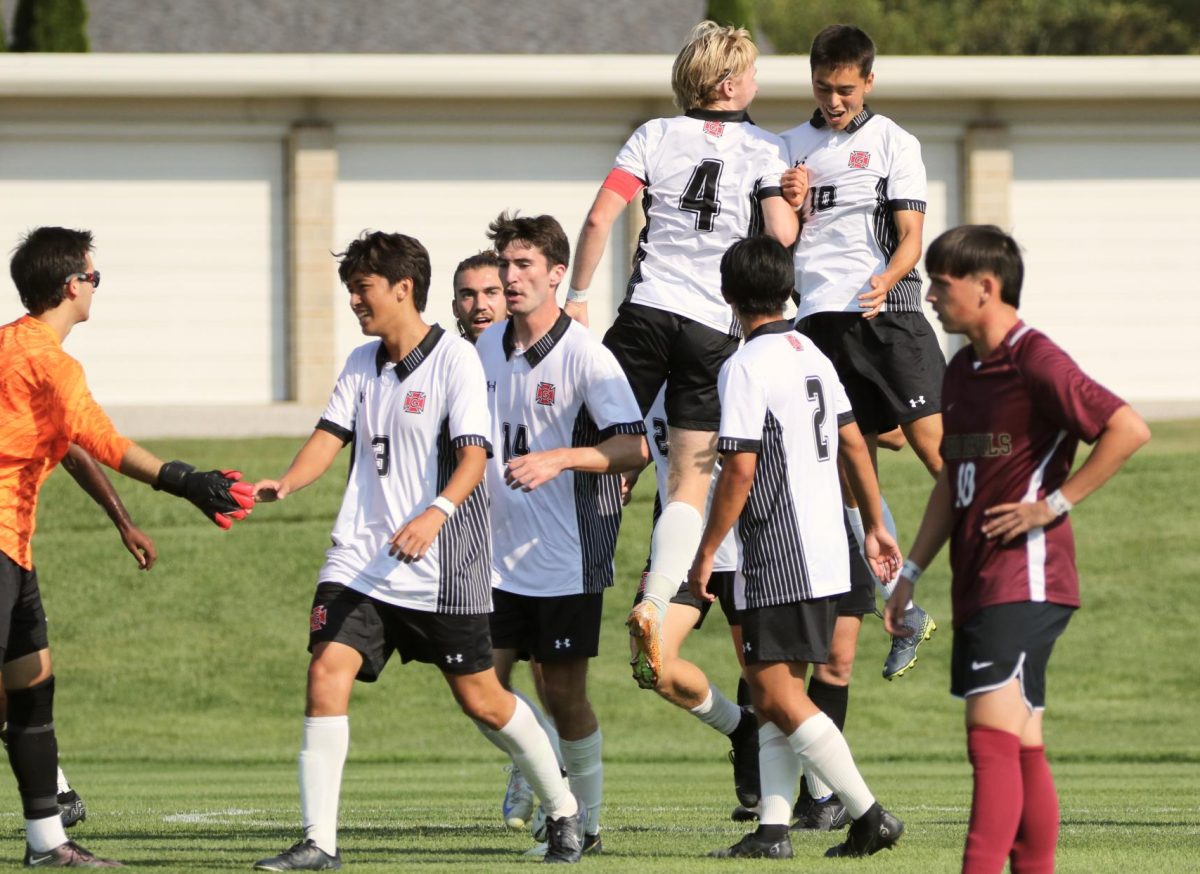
[(33, 748), (743, 693), (831, 699)]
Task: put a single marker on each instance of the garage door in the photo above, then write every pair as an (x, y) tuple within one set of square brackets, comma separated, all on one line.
[(1108, 224), (189, 240)]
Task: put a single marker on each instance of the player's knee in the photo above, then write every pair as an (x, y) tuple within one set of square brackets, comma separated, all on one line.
[(32, 706)]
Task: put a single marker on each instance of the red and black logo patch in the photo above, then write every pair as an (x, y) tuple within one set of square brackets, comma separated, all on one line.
[(414, 402), (545, 394), (860, 160), (714, 128), (318, 618), (795, 341)]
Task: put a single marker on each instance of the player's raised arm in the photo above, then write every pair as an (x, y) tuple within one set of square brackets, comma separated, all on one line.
[(313, 459), (618, 189), (87, 473), (780, 220)]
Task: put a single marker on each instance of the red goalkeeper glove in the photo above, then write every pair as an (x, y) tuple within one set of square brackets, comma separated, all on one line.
[(217, 493)]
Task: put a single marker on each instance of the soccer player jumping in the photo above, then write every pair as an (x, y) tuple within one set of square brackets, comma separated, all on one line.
[(1015, 407)]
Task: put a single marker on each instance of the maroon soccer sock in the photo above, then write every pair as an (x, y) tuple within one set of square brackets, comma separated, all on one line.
[(1037, 836), (997, 800)]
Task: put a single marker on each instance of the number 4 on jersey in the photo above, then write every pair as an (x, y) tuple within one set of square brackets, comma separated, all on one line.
[(701, 194)]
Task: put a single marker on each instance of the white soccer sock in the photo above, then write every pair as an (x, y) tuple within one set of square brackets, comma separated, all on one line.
[(718, 711), (322, 756), (546, 723), (531, 752), (43, 835), (672, 551), (63, 785), (778, 772), (817, 787), (824, 752), (585, 769)]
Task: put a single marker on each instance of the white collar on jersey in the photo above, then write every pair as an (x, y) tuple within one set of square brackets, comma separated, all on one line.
[(413, 359)]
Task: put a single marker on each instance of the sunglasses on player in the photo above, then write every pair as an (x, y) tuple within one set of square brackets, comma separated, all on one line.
[(93, 278)]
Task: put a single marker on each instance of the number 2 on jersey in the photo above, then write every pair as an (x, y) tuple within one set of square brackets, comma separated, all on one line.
[(701, 194), (816, 392)]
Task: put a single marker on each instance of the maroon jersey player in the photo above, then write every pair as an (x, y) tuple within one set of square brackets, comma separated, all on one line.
[(1015, 407)]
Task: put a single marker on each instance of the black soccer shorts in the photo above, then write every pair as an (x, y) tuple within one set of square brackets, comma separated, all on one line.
[(22, 618), (1005, 641), (891, 366), (455, 643), (655, 346), (559, 628), (801, 631)]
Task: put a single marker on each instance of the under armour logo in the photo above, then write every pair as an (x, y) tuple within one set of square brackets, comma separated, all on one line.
[(746, 646), (563, 644), (491, 385), (451, 659), (362, 396), (920, 401)]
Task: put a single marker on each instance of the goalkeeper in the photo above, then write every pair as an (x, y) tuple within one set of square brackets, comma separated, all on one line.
[(45, 406)]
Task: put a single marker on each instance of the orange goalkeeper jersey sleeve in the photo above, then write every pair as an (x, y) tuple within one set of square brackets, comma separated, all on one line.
[(45, 406)]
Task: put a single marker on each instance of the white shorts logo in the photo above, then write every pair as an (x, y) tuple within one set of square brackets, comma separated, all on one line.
[(563, 644), (979, 666)]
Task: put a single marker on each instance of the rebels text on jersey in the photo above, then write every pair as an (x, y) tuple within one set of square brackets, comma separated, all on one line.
[(705, 174), (1012, 424), (858, 178), (566, 390), (407, 419), (791, 539)]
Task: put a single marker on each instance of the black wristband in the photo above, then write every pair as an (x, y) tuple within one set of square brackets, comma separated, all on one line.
[(171, 477)]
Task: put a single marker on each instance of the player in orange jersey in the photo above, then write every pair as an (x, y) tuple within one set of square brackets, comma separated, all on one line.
[(45, 406)]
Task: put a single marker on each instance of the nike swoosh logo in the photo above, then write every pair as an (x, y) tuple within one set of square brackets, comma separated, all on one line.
[(37, 860), (979, 666)]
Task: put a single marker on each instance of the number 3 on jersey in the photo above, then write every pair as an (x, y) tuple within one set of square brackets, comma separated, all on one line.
[(702, 193), (966, 485)]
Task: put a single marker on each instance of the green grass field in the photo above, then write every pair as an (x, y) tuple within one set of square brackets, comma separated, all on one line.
[(180, 693)]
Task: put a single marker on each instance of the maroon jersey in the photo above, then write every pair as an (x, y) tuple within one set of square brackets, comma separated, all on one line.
[(1012, 423)]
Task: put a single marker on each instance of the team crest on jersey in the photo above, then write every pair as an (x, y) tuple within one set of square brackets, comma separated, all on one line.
[(795, 341), (545, 394), (414, 402), (318, 618), (860, 160), (714, 128)]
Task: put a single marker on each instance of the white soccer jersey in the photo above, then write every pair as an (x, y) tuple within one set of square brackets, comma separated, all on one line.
[(857, 179), (781, 398), (406, 420), (705, 174), (565, 390), (656, 433)]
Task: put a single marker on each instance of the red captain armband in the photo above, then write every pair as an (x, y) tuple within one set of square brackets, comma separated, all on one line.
[(623, 183)]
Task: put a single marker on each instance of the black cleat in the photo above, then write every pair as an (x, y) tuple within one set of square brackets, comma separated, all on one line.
[(71, 809), (564, 836), (68, 855), (875, 830), (744, 814), (754, 847), (302, 856), (592, 845), (744, 758), (820, 816)]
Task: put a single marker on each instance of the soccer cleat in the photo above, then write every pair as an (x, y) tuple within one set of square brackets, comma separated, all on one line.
[(754, 847), (564, 836), (592, 844), (68, 855), (517, 807), (744, 814), (875, 830), (744, 758), (645, 628), (302, 856), (903, 654), (71, 809), (820, 816)]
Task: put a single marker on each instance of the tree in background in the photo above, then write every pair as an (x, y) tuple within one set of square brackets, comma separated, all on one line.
[(736, 13), (50, 26), (993, 27)]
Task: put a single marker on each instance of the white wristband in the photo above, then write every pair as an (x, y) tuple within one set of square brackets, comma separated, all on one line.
[(911, 571), (1058, 503), (445, 505), (577, 295)]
